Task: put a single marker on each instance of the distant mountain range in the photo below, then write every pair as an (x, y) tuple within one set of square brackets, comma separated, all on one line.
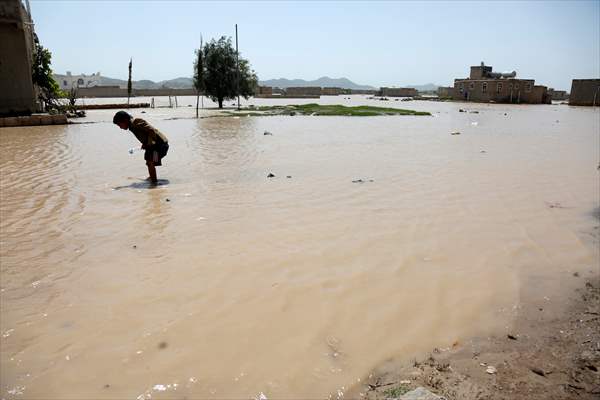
[(177, 83), (343, 83), (324, 81), (424, 88), (186, 83)]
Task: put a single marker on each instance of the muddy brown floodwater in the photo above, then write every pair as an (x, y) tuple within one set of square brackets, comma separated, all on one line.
[(224, 283)]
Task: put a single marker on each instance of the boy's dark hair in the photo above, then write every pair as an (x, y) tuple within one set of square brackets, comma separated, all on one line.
[(121, 116)]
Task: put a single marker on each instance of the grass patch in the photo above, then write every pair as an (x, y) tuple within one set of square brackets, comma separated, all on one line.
[(397, 391), (327, 110)]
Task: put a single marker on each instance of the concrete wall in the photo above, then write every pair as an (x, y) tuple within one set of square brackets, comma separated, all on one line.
[(445, 91), (17, 94), (397, 92), (499, 91), (585, 92), (363, 91), (34, 120), (558, 94), (303, 91), (116, 91), (264, 90), (333, 91), (480, 72)]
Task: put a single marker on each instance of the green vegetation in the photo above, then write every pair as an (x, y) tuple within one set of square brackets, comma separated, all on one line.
[(328, 110), (199, 76), (41, 75), (397, 391), (219, 75)]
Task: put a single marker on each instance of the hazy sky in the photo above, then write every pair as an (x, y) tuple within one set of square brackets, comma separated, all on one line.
[(376, 43)]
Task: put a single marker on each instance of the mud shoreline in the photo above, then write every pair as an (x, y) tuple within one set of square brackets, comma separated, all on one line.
[(547, 354)]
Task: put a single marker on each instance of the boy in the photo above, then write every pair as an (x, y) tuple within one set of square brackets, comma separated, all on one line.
[(153, 141)]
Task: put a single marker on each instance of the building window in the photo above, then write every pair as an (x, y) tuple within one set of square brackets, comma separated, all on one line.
[(499, 88), (528, 87), (80, 81), (472, 86), (65, 83), (462, 87), (516, 86), (484, 87)]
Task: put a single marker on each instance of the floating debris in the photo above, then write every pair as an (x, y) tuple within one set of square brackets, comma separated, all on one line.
[(270, 175), (491, 370), (538, 371), (455, 133), (267, 133)]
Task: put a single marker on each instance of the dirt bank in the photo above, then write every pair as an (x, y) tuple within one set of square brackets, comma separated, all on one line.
[(546, 357)]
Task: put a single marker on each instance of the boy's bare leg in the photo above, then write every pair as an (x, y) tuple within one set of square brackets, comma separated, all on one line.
[(152, 172)]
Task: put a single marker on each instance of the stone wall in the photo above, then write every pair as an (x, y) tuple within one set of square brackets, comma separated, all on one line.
[(17, 93), (585, 92)]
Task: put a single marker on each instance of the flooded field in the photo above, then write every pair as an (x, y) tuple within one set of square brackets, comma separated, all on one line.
[(224, 283)]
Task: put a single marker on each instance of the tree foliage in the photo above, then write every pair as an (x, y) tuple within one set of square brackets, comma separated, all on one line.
[(219, 75), (41, 75), (199, 71), (199, 76)]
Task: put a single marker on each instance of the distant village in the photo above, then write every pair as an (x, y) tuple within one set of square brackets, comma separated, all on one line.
[(18, 94), (483, 85)]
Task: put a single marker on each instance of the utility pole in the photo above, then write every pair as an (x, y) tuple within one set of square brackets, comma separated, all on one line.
[(237, 63)]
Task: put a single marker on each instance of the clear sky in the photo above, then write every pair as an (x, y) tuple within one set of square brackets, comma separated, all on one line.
[(376, 43)]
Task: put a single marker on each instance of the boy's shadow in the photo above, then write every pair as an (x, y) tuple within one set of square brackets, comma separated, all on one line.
[(144, 184)]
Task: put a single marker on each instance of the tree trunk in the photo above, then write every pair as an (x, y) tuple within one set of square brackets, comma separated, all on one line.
[(220, 102)]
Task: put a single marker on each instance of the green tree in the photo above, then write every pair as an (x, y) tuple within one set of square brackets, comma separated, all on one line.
[(199, 75), (41, 74), (220, 73)]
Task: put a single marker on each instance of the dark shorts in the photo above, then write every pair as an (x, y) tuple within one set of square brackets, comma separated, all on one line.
[(156, 153)]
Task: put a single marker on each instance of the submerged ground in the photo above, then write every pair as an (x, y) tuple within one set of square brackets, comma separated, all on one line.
[(391, 237)]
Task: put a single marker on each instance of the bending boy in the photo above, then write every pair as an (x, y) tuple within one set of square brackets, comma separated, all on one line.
[(154, 142)]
